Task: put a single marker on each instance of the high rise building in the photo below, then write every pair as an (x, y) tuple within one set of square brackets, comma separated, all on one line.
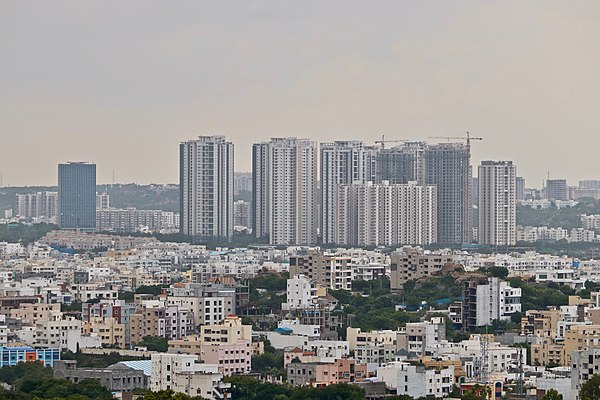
[(342, 163), (284, 173), (37, 205), (77, 196), (206, 185), (402, 164), (556, 189), (497, 203), (383, 214), (242, 182), (447, 165), (242, 214), (102, 201), (520, 188)]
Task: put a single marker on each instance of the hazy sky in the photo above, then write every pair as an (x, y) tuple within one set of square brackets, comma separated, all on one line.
[(121, 83)]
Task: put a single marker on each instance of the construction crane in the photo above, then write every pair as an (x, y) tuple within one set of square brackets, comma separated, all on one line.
[(382, 142), (468, 137)]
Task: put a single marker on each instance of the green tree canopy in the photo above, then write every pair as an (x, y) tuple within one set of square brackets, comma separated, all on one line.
[(591, 389)]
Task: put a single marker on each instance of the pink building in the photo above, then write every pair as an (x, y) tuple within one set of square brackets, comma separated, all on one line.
[(232, 358)]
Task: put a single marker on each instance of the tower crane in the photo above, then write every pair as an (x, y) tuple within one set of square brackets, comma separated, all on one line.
[(468, 137), (382, 142)]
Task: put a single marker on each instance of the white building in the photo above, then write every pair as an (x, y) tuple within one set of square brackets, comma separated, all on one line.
[(416, 381), (285, 197), (301, 292), (206, 166), (342, 163), (497, 203), (183, 373), (383, 214)]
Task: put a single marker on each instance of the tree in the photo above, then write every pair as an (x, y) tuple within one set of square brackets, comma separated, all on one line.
[(591, 389), (477, 392), (169, 395), (155, 343), (552, 395), (498, 272)]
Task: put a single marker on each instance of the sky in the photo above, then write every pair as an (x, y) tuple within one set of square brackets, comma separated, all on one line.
[(121, 83)]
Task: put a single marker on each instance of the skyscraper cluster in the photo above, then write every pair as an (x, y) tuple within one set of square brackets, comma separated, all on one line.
[(414, 193)]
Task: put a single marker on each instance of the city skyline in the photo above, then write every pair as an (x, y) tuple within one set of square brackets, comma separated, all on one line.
[(521, 75)]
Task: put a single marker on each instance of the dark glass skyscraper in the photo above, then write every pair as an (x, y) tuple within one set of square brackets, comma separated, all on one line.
[(77, 196)]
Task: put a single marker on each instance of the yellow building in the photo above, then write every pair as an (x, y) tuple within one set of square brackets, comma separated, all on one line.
[(108, 329), (548, 352), (540, 323), (580, 337)]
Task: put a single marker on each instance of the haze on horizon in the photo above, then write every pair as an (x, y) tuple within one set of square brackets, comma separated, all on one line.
[(122, 83)]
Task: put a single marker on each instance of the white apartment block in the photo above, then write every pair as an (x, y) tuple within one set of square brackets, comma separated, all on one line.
[(497, 203), (285, 181), (416, 381), (342, 163), (301, 292), (384, 214), (496, 300), (37, 205), (206, 184), (184, 373), (134, 220)]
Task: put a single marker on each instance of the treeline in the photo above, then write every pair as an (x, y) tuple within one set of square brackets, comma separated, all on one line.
[(25, 234)]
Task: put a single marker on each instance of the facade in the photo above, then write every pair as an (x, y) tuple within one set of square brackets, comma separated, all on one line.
[(37, 205), (497, 203), (183, 373), (402, 164), (301, 293), (342, 163), (134, 220), (488, 300), (412, 263), (206, 184), (520, 188), (102, 201), (242, 214), (556, 189), (77, 196), (15, 355), (383, 214), (116, 378), (320, 374), (585, 364), (284, 174), (242, 182), (447, 165), (327, 270), (417, 381)]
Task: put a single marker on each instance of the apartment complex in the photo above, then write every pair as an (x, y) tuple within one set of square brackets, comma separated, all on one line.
[(206, 185), (342, 163), (284, 174), (497, 203), (37, 205), (411, 263), (328, 270), (383, 214)]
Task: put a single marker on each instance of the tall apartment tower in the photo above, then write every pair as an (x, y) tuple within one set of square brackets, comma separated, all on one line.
[(383, 214), (402, 164), (556, 189), (520, 188), (77, 196), (284, 173), (497, 203), (342, 163), (447, 165), (206, 185)]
